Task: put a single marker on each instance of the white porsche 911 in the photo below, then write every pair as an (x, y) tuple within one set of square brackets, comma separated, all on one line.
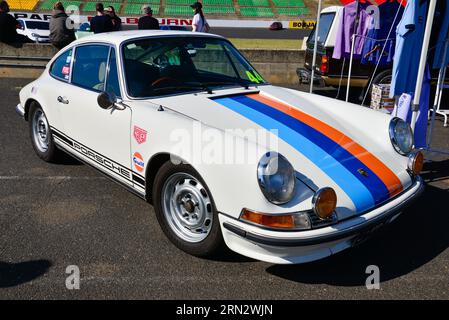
[(186, 123)]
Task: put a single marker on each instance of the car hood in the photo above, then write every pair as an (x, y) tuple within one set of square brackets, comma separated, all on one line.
[(329, 142), (40, 32)]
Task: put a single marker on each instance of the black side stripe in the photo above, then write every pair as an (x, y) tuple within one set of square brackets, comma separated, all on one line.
[(60, 136), (138, 180), (132, 177)]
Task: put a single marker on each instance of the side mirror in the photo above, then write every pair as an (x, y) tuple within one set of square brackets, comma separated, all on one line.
[(106, 100)]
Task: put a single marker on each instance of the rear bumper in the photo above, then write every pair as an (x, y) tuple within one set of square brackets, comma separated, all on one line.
[(20, 111), (305, 246), (305, 75)]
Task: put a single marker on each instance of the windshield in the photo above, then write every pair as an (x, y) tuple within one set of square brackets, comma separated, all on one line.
[(172, 65), (37, 25), (326, 20)]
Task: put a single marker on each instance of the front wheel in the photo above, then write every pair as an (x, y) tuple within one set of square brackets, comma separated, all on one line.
[(186, 211), (41, 135)]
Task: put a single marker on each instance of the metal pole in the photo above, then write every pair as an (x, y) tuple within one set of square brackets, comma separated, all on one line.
[(356, 26), (348, 83), (315, 48), (422, 62), (439, 93)]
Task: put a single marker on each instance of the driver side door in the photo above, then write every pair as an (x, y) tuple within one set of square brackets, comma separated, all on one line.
[(101, 137)]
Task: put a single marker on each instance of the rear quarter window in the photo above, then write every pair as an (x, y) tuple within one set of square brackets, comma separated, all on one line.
[(60, 68)]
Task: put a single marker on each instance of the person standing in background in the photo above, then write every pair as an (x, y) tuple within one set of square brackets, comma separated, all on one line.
[(116, 21), (199, 23), (60, 34), (101, 22), (8, 26), (148, 22)]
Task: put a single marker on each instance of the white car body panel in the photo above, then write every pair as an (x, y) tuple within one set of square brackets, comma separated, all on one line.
[(108, 135), (43, 35)]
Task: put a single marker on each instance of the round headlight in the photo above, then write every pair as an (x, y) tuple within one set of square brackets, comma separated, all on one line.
[(401, 136), (276, 178)]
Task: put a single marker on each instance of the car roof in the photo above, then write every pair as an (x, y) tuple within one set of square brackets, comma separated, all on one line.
[(118, 37), (32, 20)]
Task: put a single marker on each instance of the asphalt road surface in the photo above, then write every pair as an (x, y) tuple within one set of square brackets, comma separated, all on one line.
[(53, 216)]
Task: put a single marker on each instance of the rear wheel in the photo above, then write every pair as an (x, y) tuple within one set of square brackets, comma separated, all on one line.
[(41, 135), (186, 211)]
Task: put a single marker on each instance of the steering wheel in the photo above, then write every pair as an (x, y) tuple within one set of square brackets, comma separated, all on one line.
[(161, 80)]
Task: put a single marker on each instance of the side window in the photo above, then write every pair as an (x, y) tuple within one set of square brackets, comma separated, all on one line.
[(112, 83), (61, 66), (89, 70)]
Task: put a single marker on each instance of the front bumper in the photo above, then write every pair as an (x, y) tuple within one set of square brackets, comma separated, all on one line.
[(20, 111), (285, 247)]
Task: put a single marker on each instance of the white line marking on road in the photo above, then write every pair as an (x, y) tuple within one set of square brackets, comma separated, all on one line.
[(49, 178)]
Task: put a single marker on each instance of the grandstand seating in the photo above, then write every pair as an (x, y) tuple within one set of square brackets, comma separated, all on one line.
[(268, 9), (136, 9)]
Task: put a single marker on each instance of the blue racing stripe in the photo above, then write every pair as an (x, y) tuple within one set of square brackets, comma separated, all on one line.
[(372, 182), (357, 191)]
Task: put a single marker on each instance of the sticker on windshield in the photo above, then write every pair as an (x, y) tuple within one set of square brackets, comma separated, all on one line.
[(253, 76)]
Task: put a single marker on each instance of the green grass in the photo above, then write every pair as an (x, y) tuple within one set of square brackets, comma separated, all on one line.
[(266, 43)]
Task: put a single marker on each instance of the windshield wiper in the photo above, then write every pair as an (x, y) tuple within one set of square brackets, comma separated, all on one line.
[(240, 83)]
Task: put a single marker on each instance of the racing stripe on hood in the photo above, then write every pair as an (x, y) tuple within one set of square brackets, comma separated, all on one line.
[(384, 173), (333, 159)]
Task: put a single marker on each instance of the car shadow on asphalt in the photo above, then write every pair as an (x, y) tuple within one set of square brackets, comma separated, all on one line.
[(14, 274), (67, 160), (436, 171), (415, 238)]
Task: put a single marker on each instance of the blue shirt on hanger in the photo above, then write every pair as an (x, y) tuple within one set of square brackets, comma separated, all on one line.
[(442, 20), (409, 40)]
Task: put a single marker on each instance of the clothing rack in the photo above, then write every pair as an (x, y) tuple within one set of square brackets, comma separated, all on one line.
[(437, 103)]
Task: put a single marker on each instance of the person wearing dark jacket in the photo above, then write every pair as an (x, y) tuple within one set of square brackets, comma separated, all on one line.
[(147, 22), (8, 26), (116, 21), (101, 22), (61, 32)]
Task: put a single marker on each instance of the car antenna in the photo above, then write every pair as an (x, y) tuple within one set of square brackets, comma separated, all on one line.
[(161, 108)]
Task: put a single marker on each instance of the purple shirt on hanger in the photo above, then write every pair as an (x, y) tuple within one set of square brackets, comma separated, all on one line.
[(347, 26)]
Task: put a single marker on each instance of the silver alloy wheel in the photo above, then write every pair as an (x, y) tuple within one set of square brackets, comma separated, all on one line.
[(187, 207), (41, 133)]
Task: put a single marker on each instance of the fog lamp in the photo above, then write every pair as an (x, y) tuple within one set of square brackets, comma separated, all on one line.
[(416, 162)]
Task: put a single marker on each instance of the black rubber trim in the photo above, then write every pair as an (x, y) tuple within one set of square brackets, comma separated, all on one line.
[(138, 180), (353, 231), (63, 138)]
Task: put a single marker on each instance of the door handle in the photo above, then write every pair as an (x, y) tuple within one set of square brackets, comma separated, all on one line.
[(62, 100)]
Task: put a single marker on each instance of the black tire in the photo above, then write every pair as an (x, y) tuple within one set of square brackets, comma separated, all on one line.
[(213, 243), (50, 153)]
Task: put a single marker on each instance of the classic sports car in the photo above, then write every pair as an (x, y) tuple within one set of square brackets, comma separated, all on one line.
[(186, 123)]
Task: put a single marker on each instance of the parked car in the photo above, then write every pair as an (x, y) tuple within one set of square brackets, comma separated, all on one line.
[(173, 28), (334, 72), (35, 30), (179, 119)]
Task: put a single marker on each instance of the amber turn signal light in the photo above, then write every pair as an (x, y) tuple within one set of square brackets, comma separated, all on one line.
[(293, 221), (324, 202), (416, 162)]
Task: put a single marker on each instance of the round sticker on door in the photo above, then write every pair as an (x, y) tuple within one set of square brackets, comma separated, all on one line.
[(138, 162)]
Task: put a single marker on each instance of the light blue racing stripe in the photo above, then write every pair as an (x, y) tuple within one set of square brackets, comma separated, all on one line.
[(356, 191)]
